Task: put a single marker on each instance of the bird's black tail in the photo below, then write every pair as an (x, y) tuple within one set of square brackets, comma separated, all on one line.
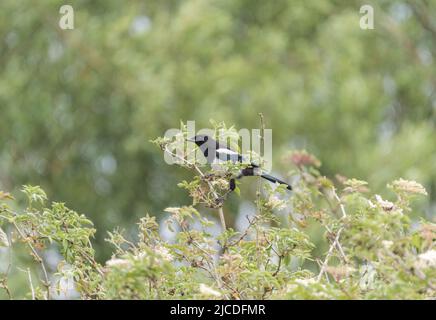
[(275, 180)]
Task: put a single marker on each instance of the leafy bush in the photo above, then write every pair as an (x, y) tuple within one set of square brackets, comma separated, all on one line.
[(373, 249)]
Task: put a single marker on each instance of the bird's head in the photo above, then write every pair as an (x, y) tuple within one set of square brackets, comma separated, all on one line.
[(199, 139)]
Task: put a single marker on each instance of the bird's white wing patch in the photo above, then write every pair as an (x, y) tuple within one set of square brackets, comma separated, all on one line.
[(226, 151), (227, 155)]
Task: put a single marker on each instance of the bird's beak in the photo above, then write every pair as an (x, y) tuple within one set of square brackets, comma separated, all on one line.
[(190, 139)]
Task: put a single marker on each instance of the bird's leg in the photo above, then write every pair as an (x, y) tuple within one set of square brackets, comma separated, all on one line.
[(244, 172), (232, 184)]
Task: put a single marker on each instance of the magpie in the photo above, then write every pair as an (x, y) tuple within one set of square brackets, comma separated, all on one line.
[(216, 153)]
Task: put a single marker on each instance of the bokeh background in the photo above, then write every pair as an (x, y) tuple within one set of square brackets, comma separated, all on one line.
[(78, 107)]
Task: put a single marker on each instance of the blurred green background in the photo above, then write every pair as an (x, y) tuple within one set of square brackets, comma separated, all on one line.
[(78, 107)]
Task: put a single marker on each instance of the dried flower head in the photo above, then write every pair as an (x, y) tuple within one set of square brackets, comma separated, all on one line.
[(221, 184), (428, 232), (275, 203), (208, 291), (387, 244), (164, 253), (120, 263), (384, 204), (173, 210), (302, 158), (232, 258), (354, 185), (6, 195), (339, 272), (427, 259), (407, 186), (305, 282)]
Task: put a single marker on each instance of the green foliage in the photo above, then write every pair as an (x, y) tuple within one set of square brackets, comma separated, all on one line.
[(374, 249), (40, 227), (77, 107)]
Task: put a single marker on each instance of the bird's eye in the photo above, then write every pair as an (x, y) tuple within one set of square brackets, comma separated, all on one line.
[(205, 138)]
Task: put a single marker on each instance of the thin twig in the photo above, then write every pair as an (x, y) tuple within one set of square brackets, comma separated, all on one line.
[(31, 284), (259, 180), (412, 271), (329, 253), (211, 264), (344, 214), (338, 246), (245, 233), (46, 281), (278, 266), (335, 243), (259, 183), (212, 189), (4, 286)]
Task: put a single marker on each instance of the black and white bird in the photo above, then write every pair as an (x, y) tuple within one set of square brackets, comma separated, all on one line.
[(216, 153)]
